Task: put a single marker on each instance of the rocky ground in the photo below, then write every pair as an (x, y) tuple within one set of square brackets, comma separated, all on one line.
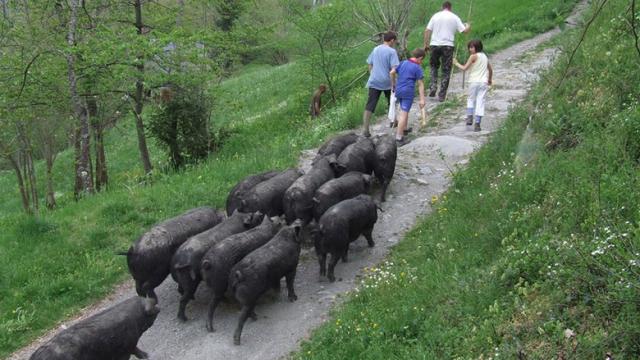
[(423, 170)]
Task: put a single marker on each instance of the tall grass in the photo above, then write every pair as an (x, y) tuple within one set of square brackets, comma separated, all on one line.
[(523, 259), (52, 265)]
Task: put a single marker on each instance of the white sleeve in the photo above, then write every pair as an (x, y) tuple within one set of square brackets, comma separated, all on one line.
[(460, 25), (430, 24)]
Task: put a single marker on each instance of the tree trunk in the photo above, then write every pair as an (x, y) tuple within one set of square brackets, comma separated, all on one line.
[(82, 165), (102, 178), (26, 160), (139, 97), (49, 157), (23, 191)]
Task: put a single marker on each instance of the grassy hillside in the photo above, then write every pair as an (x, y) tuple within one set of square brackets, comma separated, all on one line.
[(534, 253), (52, 265)]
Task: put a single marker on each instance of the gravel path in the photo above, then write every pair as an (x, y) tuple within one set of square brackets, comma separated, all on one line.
[(423, 170)]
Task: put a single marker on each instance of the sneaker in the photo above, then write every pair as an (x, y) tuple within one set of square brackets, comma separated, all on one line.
[(393, 124), (469, 120), (366, 134), (408, 130), (432, 93), (441, 98), (401, 142), (476, 128)]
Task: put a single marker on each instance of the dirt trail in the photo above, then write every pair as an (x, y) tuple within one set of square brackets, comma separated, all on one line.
[(423, 170)]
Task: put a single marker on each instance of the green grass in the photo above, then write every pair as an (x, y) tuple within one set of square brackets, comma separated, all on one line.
[(535, 260), (52, 265)]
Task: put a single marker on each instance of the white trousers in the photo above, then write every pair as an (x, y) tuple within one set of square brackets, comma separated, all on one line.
[(477, 91)]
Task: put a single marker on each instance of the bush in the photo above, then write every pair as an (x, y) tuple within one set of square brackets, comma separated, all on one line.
[(181, 126)]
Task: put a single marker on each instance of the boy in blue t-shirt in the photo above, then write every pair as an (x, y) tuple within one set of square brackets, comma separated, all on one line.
[(381, 61), (408, 73)]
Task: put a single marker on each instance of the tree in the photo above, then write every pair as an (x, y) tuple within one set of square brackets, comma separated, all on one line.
[(380, 16), (330, 31)]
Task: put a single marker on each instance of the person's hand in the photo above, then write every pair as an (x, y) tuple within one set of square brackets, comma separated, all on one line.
[(427, 48), (455, 62), (490, 82), (422, 103)]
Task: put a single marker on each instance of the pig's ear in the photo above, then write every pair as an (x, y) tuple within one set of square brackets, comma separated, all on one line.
[(332, 159)]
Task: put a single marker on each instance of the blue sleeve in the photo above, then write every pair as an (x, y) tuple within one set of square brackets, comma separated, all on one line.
[(370, 58), (420, 73), (394, 59)]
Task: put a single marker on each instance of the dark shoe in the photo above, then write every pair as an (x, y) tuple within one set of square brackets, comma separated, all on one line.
[(402, 142), (469, 120), (393, 124), (432, 93), (442, 98), (408, 130), (366, 134), (476, 128)]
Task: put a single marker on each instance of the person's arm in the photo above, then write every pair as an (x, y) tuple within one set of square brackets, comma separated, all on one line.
[(422, 102), (427, 39), (467, 28), (393, 74), (472, 59), (490, 74), (370, 66)]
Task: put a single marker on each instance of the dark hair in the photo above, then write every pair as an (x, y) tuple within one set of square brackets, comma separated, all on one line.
[(419, 53), (389, 35), (477, 44), (446, 5)]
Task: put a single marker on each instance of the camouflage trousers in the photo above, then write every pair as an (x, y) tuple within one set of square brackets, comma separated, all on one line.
[(440, 56)]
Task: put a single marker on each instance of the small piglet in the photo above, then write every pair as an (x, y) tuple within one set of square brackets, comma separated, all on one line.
[(333, 191), (263, 269), (339, 226), (266, 197), (238, 192), (335, 145), (112, 334), (298, 199), (149, 258), (185, 264), (385, 162), (218, 261), (359, 156)]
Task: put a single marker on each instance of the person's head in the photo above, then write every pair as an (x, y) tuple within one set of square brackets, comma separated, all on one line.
[(474, 46), (322, 88), (446, 5), (419, 54), (390, 37)]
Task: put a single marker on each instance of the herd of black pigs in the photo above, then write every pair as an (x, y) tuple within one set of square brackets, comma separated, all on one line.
[(245, 252)]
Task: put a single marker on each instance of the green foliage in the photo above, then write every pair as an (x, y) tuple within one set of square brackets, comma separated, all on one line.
[(181, 126)]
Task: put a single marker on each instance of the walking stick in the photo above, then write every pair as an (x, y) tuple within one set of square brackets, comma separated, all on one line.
[(465, 36)]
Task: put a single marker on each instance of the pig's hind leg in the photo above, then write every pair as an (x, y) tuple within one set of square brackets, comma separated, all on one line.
[(244, 314), (291, 277)]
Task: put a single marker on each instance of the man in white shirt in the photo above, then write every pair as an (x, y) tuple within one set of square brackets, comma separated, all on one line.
[(439, 37)]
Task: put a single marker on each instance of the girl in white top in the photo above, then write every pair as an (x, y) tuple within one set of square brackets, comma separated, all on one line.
[(480, 78)]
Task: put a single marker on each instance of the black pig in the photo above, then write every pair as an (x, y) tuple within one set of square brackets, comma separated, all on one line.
[(149, 258), (263, 269), (359, 156), (339, 226), (218, 261), (298, 199), (333, 191), (335, 145), (266, 197), (385, 162), (112, 334), (185, 264), (241, 188)]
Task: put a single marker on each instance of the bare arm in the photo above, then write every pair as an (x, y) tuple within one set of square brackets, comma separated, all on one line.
[(427, 39), (370, 67), (467, 28), (472, 59), (490, 74), (422, 102), (393, 74)]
